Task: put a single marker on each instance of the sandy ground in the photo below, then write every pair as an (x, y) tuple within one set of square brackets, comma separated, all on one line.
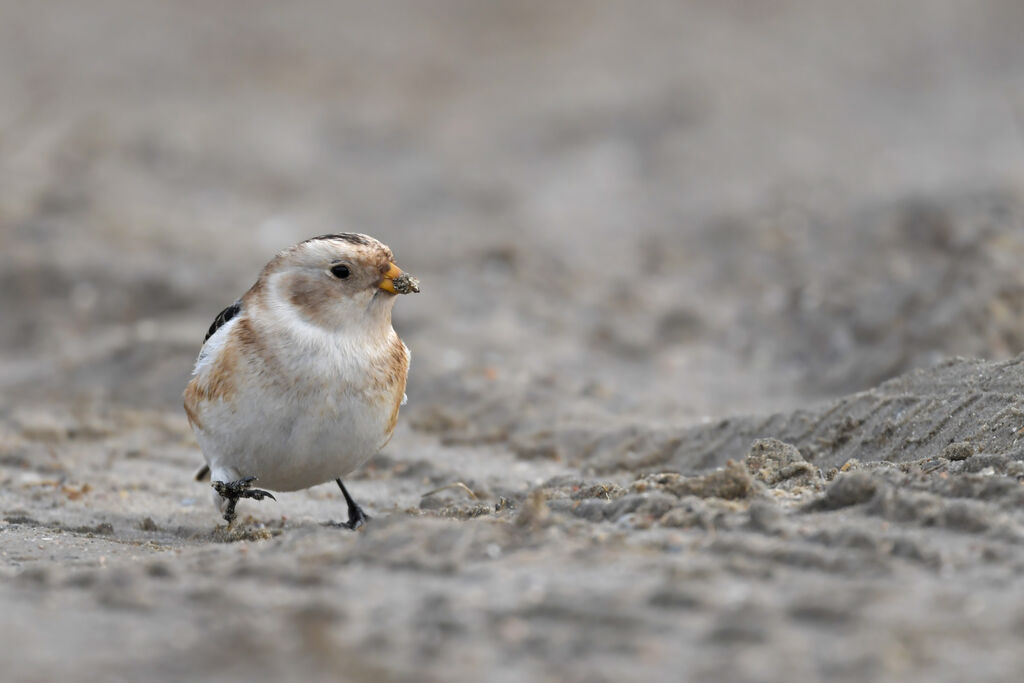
[(696, 389)]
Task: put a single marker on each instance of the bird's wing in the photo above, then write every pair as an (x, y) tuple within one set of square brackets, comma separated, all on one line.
[(199, 387), (222, 318)]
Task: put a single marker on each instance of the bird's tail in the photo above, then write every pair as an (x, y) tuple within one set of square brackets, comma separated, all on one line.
[(202, 473)]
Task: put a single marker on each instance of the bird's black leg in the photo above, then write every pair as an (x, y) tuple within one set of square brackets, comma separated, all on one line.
[(356, 516), (233, 490)]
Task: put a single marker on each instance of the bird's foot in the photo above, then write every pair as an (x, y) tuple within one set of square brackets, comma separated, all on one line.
[(240, 488), (357, 519), (356, 516)]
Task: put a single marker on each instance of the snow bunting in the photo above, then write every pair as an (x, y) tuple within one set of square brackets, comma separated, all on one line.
[(299, 382)]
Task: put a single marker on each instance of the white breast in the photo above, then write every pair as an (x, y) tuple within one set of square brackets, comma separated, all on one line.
[(317, 419)]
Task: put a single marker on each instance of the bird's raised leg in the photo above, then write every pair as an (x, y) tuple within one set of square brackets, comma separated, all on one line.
[(241, 488), (356, 516)]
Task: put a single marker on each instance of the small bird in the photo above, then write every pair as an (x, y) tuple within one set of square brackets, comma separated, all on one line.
[(300, 381)]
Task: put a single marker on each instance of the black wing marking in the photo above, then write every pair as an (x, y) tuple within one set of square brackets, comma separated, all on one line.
[(222, 318)]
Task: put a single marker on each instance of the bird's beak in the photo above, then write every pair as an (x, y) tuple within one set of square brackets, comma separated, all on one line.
[(397, 282)]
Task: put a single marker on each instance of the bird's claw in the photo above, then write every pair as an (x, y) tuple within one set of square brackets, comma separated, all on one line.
[(355, 523), (352, 524), (240, 488)]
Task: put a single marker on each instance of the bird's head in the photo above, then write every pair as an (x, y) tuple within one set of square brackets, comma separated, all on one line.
[(337, 281)]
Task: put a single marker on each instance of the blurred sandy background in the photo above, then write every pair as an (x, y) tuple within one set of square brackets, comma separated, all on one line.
[(631, 221)]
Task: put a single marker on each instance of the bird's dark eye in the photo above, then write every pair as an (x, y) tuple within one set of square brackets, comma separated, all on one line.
[(340, 271)]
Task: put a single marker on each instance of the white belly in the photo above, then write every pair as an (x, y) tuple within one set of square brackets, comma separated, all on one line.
[(291, 442)]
